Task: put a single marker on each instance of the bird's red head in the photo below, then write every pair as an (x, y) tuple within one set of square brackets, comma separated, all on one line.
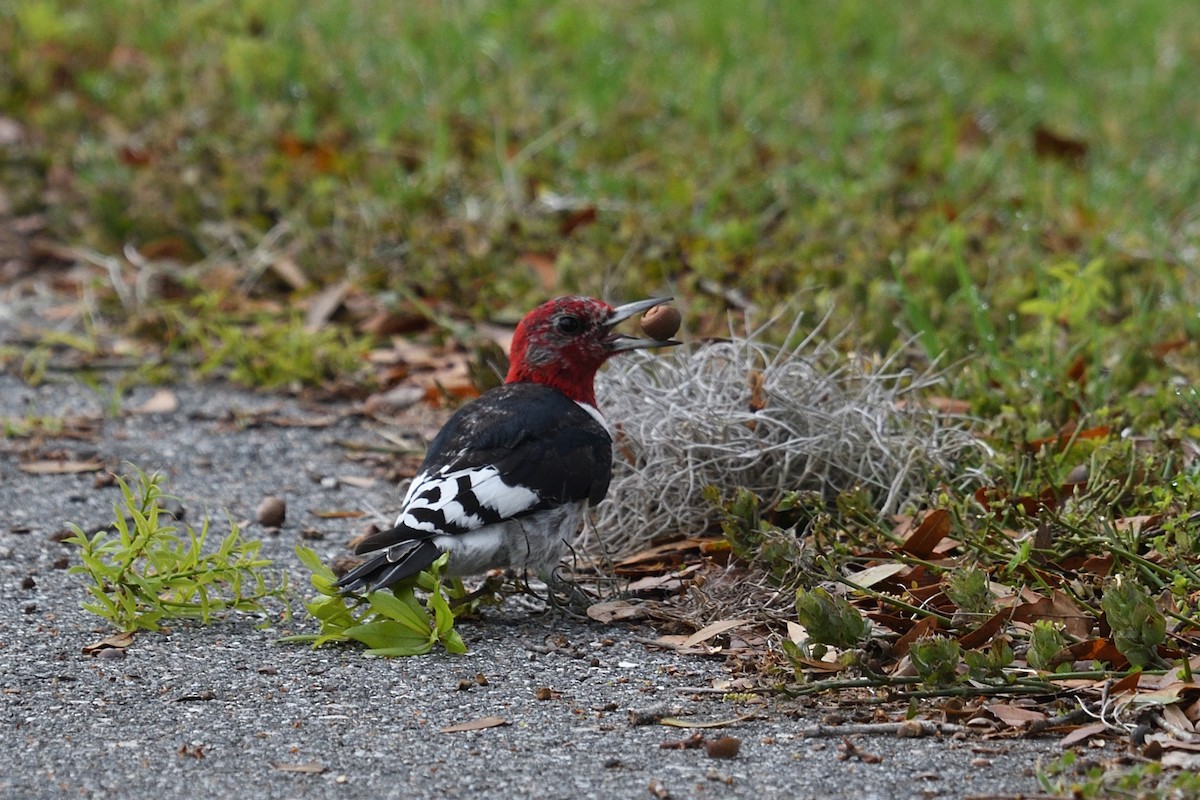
[(563, 342)]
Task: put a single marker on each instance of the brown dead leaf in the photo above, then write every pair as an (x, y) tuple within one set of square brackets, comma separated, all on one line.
[(1097, 650), (60, 467), (984, 633), (1060, 608), (662, 557), (1127, 684), (615, 611), (388, 322), (1068, 435), (1015, 716), (116, 641), (934, 527), (926, 627), (669, 583), (695, 740), (323, 305), (288, 270), (1082, 733), (715, 629), (475, 725), (947, 405)]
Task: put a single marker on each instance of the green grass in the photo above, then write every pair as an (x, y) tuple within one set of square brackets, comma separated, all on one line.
[(876, 158)]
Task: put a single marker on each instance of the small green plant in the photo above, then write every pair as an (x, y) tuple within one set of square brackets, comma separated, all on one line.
[(989, 666), (969, 591), (143, 570), (830, 619), (389, 622), (1068, 776), (935, 659), (758, 541), (1138, 627), (1046, 645)]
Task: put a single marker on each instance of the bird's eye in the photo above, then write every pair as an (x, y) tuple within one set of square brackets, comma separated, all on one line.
[(569, 325)]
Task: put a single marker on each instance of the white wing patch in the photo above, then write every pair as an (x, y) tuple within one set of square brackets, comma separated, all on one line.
[(463, 500)]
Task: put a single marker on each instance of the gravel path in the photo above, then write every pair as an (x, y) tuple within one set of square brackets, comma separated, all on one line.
[(224, 710)]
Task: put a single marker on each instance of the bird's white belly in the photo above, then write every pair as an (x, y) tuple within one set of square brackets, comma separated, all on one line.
[(537, 541)]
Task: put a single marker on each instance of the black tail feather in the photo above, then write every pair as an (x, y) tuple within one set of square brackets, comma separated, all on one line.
[(390, 566)]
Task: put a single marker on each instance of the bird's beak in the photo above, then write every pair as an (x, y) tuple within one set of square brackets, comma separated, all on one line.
[(619, 342)]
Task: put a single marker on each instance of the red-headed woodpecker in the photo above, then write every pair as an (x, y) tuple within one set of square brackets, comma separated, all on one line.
[(506, 482)]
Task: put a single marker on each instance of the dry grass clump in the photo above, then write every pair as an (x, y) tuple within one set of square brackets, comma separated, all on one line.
[(745, 413)]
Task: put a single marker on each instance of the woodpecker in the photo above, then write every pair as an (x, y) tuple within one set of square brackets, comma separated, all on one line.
[(507, 480)]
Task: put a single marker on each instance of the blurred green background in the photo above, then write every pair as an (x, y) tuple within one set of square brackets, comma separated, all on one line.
[(1014, 181)]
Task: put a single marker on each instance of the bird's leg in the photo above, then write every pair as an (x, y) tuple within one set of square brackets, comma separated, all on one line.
[(568, 595), (490, 586)]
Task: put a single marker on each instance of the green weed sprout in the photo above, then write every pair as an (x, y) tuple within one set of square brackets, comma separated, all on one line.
[(144, 571), (389, 622)]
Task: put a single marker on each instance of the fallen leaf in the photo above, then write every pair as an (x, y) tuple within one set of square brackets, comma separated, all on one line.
[(164, 401), (1127, 684), (117, 641), (1015, 716), (287, 269), (758, 391), (60, 467), (676, 722), (934, 527), (670, 583), (1082, 733), (926, 627), (1060, 608), (984, 633), (306, 769), (695, 740), (324, 305), (615, 611), (475, 725), (709, 631), (356, 481), (873, 575)]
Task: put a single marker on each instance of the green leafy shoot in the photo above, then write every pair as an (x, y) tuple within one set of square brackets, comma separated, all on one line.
[(144, 570), (1138, 627), (830, 619), (935, 658), (389, 622)]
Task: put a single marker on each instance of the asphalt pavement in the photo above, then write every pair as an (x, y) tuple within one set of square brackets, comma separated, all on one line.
[(226, 710)]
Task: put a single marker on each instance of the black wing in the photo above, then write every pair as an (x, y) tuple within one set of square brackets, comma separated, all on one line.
[(518, 449)]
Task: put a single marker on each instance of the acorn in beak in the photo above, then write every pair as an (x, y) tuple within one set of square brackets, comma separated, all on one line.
[(619, 342)]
